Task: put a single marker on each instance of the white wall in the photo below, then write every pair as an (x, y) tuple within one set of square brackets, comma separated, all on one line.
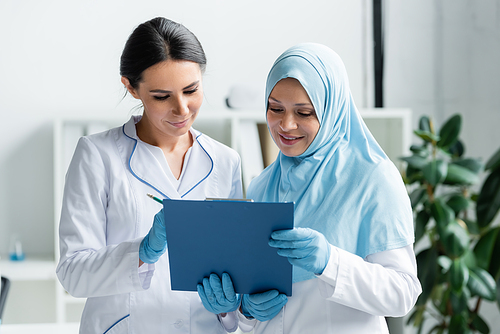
[(60, 58), (442, 58)]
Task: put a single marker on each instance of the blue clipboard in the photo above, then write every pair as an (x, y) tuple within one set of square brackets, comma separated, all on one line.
[(216, 236)]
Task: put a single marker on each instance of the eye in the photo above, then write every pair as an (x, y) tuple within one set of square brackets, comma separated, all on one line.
[(161, 98), (306, 113), (275, 109), (192, 91)]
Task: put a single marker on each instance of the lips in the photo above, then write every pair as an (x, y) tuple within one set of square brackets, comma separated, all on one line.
[(289, 140), (179, 124)]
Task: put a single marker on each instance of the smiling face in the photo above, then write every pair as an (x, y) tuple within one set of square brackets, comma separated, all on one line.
[(171, 93), (291, 117)]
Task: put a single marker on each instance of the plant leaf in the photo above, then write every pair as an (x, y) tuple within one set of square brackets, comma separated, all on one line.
[(469, 258), (457, 203), (427, 273), (484, 248), (459, 275), (438, 329), (481, 284), (421, 221), (435, 171), (416, 196), (415, 161), (457, 149), (458, 324), (480, 324), (412, 175), (424, 124), (445, 262), (488, 202), (460, 175), (494, 268), (427, 136), (459, 301), (449, 131), (498, 292), (441, 213), (455, 239), (420, 150), (494, 162), (472, 226), (474, 165)]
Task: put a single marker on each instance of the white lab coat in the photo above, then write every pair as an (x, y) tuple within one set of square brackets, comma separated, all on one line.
[(351, 296), (106, 214)]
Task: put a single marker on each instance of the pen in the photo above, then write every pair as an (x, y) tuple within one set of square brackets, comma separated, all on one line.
[(155, 198)]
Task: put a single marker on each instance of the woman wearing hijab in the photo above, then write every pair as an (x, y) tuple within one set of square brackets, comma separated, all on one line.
[(352, 244)]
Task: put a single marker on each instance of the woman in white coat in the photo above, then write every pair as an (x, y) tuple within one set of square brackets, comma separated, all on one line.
[(351, 247), (112, 236)]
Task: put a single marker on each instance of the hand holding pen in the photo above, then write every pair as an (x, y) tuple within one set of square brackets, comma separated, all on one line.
[(154, 243)]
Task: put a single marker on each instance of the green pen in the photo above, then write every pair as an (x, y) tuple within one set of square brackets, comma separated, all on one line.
[(155, 198)]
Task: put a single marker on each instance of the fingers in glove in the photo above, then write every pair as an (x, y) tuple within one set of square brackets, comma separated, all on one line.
[(203, 297), (270, 309), (290, 244), (159, 219), (298, 233), (270, 304), (209, 292), (216, 285), (259, 298), (227, 286)]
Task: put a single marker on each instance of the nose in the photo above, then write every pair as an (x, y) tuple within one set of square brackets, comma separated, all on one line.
[(288, 122), (180, 106)]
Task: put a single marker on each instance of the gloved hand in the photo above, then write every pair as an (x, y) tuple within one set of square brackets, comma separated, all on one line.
[(218, 297), (263, 306), (304, 247), (154, 243)]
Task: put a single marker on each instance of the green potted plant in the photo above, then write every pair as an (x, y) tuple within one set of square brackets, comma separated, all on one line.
[(459, 261)]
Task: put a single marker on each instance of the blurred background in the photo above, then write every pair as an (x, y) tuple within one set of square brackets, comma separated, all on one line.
[(60, 59)]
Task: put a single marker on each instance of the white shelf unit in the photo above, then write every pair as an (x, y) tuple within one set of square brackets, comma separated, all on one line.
[(391, 127)]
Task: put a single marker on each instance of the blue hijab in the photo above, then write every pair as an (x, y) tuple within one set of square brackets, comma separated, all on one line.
[(343, 185)]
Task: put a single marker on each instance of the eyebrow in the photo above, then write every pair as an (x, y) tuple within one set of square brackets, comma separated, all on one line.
[(167, 91), (297, 104)]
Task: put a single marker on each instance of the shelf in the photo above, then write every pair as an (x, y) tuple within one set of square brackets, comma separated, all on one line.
[(29, 270), (66, 328)]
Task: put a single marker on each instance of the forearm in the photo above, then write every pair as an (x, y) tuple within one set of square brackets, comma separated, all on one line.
[(107, 271), (384, 284)]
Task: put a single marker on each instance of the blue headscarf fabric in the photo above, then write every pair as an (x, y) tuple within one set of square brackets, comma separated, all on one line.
[(343, 185)]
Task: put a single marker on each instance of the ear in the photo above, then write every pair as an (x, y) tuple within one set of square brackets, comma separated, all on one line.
[(129, 87)]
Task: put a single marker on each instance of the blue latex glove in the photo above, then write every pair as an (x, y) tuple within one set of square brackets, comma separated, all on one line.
[(218, 297), (154, 243), (263, 306), (304, 247)]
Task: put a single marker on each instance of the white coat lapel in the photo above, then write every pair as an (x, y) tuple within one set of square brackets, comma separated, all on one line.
[(200, 166), (145, 167)]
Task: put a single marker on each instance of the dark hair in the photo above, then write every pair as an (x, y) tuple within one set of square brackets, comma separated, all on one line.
[(155, 41)]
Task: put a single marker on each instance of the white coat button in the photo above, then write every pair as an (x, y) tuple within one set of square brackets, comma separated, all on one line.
[(178, 324)]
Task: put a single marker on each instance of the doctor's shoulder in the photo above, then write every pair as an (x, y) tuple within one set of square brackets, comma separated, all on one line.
[(101, 142)]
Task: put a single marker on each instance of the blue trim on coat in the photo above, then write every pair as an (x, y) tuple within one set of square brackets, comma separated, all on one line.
[(113, 325), (165, 196)]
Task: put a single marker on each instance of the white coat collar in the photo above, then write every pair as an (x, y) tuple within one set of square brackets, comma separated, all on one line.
[(144, 166)]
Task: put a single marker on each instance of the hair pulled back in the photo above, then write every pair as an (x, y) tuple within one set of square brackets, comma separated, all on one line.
[(158, 40)]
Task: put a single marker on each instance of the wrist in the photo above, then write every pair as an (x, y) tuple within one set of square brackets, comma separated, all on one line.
[(146, 253), (245, 313)]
